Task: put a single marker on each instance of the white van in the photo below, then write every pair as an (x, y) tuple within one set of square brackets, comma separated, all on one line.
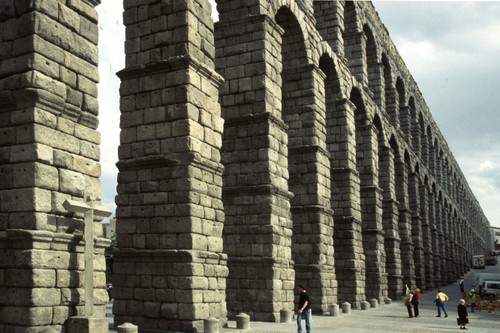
[(491, 289), (479, 278)]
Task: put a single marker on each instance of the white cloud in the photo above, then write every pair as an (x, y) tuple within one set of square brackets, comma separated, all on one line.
[(487, 165), (111, 60)]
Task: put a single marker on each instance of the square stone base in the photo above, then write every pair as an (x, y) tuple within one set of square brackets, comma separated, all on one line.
[(81, 324)]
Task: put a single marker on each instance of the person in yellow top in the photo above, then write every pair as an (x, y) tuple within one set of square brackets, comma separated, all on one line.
[(472, 300), (440, 299)]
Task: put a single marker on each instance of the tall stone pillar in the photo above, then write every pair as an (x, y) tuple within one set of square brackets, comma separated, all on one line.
[(390, 221), (405, 122), (447, 272), (355, 51), (348, 240), (453, 265), (462, 247), (391, 101), (455, 245), (169, 268), (404, 223), (426, 235), (258, 228), (416, 133), (416, 229), (440, 252), (377, 80), (458, 246), (439, 168), (49, 152), (330, 18), (371, 211), (424, 145), (430, 163), (309, 170), (434, 250), (468, 245)]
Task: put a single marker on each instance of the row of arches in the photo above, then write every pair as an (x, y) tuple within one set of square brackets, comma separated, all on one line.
[(362, 166), (394, 91)]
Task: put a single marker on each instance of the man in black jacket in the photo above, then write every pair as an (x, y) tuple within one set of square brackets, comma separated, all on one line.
[(304, 310)]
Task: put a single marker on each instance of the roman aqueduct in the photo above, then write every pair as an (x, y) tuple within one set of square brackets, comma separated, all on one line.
[(287, 143)]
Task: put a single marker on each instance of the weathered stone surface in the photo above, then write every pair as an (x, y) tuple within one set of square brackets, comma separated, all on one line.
[(48, 65), (30, 296), (31, 153), (67, 279), (30, 278), (35, 175), (72, 182), (24, 200), (26, 316), (82, 324)]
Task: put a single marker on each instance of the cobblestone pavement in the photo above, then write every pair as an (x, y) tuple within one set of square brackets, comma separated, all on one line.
[(391, 317)]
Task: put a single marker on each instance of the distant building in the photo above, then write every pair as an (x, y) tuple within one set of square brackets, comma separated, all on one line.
[(495, 232), (109, 228)]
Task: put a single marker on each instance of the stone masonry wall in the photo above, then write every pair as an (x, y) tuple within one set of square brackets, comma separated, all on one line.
[(169, 268), (49, 152), (390, 168)]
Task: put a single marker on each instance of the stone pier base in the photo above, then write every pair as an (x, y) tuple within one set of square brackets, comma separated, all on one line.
[(81, 324)]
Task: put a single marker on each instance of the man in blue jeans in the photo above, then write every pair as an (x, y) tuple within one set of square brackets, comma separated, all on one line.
[(440, 299), (304, 310)]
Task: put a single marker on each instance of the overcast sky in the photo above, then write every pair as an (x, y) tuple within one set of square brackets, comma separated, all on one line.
[(452, 50)]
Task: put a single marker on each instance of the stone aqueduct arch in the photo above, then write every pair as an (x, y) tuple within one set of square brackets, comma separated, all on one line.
[(289, 144)]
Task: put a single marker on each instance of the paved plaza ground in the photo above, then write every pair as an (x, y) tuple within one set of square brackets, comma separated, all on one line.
[(391, 317)]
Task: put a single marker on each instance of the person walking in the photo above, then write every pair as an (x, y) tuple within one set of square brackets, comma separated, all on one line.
[(408, 302), (440, 299), (415, 301), (462, 319), (472, 300), (304, 310), (109, 289)]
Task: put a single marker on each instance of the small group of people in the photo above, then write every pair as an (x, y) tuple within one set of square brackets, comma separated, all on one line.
[(412, 300), (472, 298), (462, 319)]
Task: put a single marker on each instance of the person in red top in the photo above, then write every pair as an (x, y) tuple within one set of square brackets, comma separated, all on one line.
[(415, 301)]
